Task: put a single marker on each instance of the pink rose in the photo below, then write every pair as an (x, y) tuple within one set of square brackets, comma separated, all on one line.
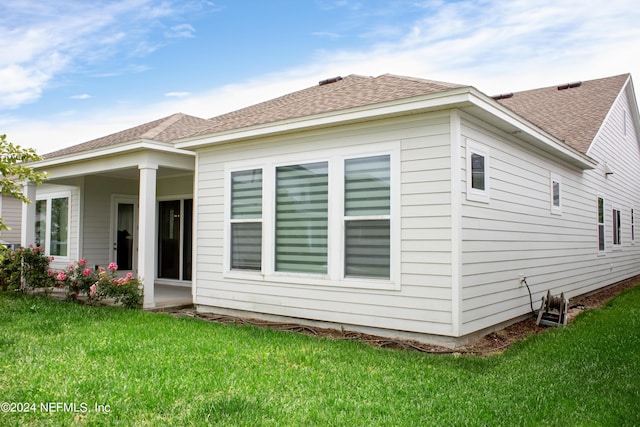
[(82, 262), (62, 276), (92, 290), (129, 276), (113, 266), (86, 272)]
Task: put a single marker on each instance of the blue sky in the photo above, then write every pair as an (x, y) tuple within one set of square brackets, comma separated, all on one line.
[(72, 70)]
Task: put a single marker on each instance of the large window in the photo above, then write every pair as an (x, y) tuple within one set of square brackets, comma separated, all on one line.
[(52, 225), (327, 220)]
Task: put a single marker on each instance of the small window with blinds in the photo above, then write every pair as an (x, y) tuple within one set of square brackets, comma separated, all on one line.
[(301, 218), (246, 220), (367, 217)]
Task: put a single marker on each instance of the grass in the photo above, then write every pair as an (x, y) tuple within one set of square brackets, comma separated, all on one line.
[(153, 369)]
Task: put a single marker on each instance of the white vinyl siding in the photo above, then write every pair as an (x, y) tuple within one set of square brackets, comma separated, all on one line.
[(417, 294), (12, 216), (517, 233)]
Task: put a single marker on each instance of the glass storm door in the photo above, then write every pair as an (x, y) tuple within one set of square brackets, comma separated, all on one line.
[(124, 245), (174, 239)]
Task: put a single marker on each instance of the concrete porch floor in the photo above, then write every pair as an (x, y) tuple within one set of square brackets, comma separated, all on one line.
[(169, 297)]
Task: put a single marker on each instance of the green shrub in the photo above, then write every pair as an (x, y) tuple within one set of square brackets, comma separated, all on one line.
[(25, 268)]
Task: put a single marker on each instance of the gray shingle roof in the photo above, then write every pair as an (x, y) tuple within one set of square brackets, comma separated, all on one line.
[(349, 92), (573, 114), (166, 129)]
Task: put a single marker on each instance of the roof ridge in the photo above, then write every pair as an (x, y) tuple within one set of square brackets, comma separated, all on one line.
[(162, 126)]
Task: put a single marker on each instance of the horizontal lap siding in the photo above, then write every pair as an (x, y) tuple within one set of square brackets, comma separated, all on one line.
[(12, 216), (423, 302), (97, 215), (516, 233)]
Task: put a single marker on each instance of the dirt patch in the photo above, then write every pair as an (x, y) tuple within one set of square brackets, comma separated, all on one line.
[(493, 343)]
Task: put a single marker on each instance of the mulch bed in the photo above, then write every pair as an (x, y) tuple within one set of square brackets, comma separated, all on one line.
[(493, 343)]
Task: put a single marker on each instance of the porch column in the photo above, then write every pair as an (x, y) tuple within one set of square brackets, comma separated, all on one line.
[(28, 229), (147, 232)]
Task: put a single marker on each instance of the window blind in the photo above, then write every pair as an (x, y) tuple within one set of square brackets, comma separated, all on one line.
[(301, 218)]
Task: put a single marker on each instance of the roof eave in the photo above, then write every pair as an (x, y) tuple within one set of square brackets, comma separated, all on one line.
[(431, 102), (114, 150)]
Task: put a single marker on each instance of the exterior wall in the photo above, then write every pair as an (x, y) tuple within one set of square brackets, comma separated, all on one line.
[(12, 215), (517, 233), (421, 301), (97, 219)]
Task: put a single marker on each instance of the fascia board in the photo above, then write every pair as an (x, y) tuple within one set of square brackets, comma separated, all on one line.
[(442, 100), (114, 150)]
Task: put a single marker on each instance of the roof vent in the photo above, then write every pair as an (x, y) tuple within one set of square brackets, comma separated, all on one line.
[(328, 81), (503, 96), (569, 85)]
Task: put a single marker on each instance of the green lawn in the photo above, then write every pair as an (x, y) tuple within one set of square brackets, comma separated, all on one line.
[(123, 367)]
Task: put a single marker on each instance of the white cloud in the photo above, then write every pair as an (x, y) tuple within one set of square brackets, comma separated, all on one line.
[(182, 31), (177, 94), (493, 45), (81, 96)]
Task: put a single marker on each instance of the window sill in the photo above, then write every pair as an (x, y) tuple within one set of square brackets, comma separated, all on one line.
[(314, 280)]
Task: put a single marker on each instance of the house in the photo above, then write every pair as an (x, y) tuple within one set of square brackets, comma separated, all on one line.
[(389, 205)]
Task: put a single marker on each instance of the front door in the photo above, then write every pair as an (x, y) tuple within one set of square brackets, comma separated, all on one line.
[(124, 233)]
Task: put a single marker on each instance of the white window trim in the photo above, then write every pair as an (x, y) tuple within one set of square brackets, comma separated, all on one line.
[(632, 224), (48, 197), (335, 245), (475, 194), (616, 246), (553, 178), (602, 251)]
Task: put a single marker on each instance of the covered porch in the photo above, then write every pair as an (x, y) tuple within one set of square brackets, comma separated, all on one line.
[(130, 207)]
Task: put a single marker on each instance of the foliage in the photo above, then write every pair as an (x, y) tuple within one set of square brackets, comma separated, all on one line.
[(77, 278), (153, 369), (125, 290), (25, 268), (14, 171)]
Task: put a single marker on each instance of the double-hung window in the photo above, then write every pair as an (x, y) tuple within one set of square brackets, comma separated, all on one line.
[(617, 232), (246, 220), (52, 225), (556, 204), (601, 244), (367, 209), (324, 221)]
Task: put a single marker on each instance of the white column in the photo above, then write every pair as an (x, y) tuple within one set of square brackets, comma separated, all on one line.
[(28, 231), (147, 232)]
